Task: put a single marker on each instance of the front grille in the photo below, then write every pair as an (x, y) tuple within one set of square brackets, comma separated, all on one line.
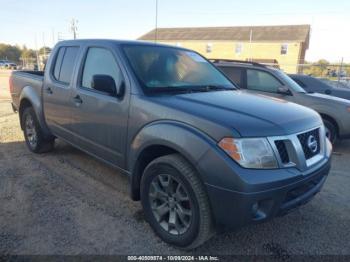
[(282, 150), (304, 141)]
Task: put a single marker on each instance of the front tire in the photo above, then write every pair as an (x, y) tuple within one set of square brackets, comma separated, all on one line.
[(35, 140), (175, 202)]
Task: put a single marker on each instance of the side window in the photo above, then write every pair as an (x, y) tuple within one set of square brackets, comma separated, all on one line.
[(68, 64), (299, 82), (58, 63), (100, 61), (262, 81), (234, 74)]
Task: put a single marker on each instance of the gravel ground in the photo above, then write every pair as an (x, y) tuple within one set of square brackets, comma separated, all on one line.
[(66, 202)]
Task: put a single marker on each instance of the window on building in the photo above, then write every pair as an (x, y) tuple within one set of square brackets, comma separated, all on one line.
[(238, 48), (209, 47), (284, 49)]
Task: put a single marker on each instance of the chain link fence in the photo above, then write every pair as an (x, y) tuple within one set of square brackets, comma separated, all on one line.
[(336, 74)]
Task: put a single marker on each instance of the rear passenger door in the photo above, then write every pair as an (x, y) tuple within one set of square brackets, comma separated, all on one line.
[(57, 91), (100, 119)]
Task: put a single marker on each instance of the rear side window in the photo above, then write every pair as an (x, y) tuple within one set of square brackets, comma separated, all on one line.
[(262, 81), (58, 63), (68, 63), (100, 61), (235, 74)]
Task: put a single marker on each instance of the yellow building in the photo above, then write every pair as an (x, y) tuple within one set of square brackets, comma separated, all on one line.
[(285, 45)]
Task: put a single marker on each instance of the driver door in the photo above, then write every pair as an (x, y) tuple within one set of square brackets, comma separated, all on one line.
[(99, 118)]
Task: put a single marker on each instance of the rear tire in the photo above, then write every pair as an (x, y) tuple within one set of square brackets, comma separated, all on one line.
[(35, 140), (175, 203), (331, 131)]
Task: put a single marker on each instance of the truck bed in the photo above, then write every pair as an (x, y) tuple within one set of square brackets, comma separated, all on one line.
[(25, 79)]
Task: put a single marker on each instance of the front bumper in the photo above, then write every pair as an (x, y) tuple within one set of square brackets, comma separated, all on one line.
[(241, 196), (235, 209)]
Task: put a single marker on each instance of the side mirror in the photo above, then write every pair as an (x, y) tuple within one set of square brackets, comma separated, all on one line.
[(104, 83), (283, 90)]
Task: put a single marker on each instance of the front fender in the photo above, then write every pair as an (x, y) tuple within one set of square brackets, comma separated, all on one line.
[(185, 139), (190, 142), (34, 97)]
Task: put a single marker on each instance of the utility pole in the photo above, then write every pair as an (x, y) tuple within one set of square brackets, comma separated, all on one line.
[(44, 46), (250, 45), (37, 54), (340, 69), (53, 36), (74, 27), (156, 32)]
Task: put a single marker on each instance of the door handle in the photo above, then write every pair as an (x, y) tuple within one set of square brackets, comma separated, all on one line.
[(77, 100), (49, 90)]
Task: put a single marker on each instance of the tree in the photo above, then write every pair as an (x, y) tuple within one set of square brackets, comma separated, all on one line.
[(320, 68), (28, 53), (44, 50), (10, 52)]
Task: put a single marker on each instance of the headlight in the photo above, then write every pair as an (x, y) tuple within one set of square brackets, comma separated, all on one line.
[(250, 152)]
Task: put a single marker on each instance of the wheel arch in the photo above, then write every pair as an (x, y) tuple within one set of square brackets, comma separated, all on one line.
[(30, 98), (332, 120), (159, 139)]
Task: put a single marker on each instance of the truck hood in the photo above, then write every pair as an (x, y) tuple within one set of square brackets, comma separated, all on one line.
[(251, 115)]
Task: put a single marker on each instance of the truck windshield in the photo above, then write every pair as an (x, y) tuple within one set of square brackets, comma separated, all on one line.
[(167, 69)]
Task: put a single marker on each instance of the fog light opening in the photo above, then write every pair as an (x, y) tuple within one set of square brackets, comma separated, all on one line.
[(261, 209)]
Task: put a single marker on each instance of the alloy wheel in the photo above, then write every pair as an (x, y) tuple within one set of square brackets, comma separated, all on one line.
[(170, 204), (31, 131)]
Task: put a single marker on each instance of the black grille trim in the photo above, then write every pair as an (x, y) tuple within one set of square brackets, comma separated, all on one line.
[(303, 141), (282, 150), (302, 189)]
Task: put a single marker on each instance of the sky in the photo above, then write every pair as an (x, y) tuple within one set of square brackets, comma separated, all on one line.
[(37, 22)]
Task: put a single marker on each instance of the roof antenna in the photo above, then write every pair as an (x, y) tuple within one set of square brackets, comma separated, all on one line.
[(156, 31)]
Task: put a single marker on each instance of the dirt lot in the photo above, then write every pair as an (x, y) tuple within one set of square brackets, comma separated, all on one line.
[(66, 202)]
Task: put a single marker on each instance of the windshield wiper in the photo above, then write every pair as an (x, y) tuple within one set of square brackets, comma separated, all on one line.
[(218, 87), (188, 89)]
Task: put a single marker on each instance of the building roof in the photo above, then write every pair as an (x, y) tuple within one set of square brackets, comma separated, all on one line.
[(280, 33)]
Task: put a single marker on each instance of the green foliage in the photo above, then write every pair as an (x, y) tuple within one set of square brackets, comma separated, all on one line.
[(10, 52), (28, 54), (44, 50), (323, 68)]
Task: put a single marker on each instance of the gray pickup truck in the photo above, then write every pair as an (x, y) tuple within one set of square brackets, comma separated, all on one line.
[(265, 80), (199, 153)]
